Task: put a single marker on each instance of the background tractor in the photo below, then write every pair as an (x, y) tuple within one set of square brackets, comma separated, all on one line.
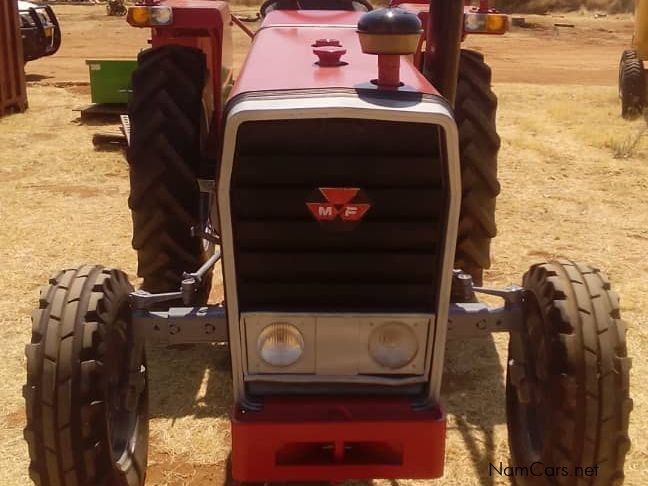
[(346, 184)]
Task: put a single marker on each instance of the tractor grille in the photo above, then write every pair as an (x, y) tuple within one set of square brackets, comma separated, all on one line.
[(287, 261)]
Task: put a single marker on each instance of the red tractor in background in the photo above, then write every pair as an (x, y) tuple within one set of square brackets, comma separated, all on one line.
[(346, 182)]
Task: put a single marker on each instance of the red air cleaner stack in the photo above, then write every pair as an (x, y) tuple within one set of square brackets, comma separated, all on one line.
[(388, 71)]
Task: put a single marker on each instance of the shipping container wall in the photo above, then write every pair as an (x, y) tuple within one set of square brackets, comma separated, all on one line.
[(13, 93)]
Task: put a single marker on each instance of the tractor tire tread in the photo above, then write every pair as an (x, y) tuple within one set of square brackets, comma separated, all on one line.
[(632, 85), (63, 368), (479, 143), (164, 157), (592, 425)]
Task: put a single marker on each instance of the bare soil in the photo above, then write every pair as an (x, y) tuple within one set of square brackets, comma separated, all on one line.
[(574, 179)]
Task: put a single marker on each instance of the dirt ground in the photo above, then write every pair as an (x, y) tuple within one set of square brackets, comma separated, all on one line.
[(574, 179)]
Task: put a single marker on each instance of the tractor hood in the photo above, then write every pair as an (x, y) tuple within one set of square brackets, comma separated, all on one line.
[(282, 56)]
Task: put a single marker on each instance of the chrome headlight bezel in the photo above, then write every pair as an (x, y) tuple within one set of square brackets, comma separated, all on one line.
[(280, 344), (393, 345)]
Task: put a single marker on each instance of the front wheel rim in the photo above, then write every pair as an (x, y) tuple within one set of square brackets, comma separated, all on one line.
[(125, 396), (529, 402)]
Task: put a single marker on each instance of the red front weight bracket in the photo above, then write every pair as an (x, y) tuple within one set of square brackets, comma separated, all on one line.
[(308, 439)]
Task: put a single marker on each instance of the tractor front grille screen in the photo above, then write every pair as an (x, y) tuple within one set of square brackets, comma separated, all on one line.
[(387, 259)]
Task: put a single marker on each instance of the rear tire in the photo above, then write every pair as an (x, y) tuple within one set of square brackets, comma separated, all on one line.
[(632, 85), (86, 393), (168, 133), (568, 380), (479, 143)]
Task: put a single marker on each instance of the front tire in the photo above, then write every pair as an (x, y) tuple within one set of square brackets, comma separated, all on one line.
[(86, 393), (567, 386), (479, 143)]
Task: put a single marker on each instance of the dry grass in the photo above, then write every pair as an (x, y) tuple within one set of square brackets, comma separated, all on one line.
[(62, 202), (563, 194)]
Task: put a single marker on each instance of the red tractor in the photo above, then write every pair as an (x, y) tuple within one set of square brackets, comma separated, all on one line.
[(346, 183)]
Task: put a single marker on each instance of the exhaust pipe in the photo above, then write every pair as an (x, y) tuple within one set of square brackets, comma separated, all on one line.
[(443, 45)]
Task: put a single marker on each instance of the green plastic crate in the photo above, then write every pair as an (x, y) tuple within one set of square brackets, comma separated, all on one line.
[(110, 80)]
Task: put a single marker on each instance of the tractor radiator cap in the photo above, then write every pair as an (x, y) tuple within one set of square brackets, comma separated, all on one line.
[(329, 56), (391, 30)]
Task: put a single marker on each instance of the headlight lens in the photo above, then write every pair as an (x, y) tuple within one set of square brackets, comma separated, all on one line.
[(280, 344), (485, 23), (475, 22), (393, 345), (143, 16), (161, 16)]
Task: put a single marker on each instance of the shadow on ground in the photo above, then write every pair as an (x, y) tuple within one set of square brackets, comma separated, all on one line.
[(190, 380), (36, 77), (195, 381), (474, 393)]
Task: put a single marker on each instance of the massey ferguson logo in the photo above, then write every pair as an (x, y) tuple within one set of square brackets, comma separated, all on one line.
[(345, 204)]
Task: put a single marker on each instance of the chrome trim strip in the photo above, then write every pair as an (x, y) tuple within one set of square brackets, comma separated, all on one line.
[(452, 224), (304, 26), (430, 110)]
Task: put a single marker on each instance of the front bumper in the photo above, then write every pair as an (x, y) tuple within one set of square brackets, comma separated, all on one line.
[(310, 439), (43, 38), (35, 44)]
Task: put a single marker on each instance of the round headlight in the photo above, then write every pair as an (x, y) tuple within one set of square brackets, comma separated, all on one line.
[(280, 344), (161, 15), (393, 345), (475, 23)]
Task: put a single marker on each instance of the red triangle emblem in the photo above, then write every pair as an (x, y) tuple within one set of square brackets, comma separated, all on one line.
[(339, 195), (323, 211), (353, 212)]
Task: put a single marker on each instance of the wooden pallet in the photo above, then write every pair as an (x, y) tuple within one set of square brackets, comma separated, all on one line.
[(103, 112)]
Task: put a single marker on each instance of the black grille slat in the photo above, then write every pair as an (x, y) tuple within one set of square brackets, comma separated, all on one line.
[(308, 170), (310, 236), (338, 137), (336, 267), (285, 260)]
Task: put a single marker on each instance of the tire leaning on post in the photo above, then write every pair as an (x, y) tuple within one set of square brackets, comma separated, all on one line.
[(632, 85), (86, 393)]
